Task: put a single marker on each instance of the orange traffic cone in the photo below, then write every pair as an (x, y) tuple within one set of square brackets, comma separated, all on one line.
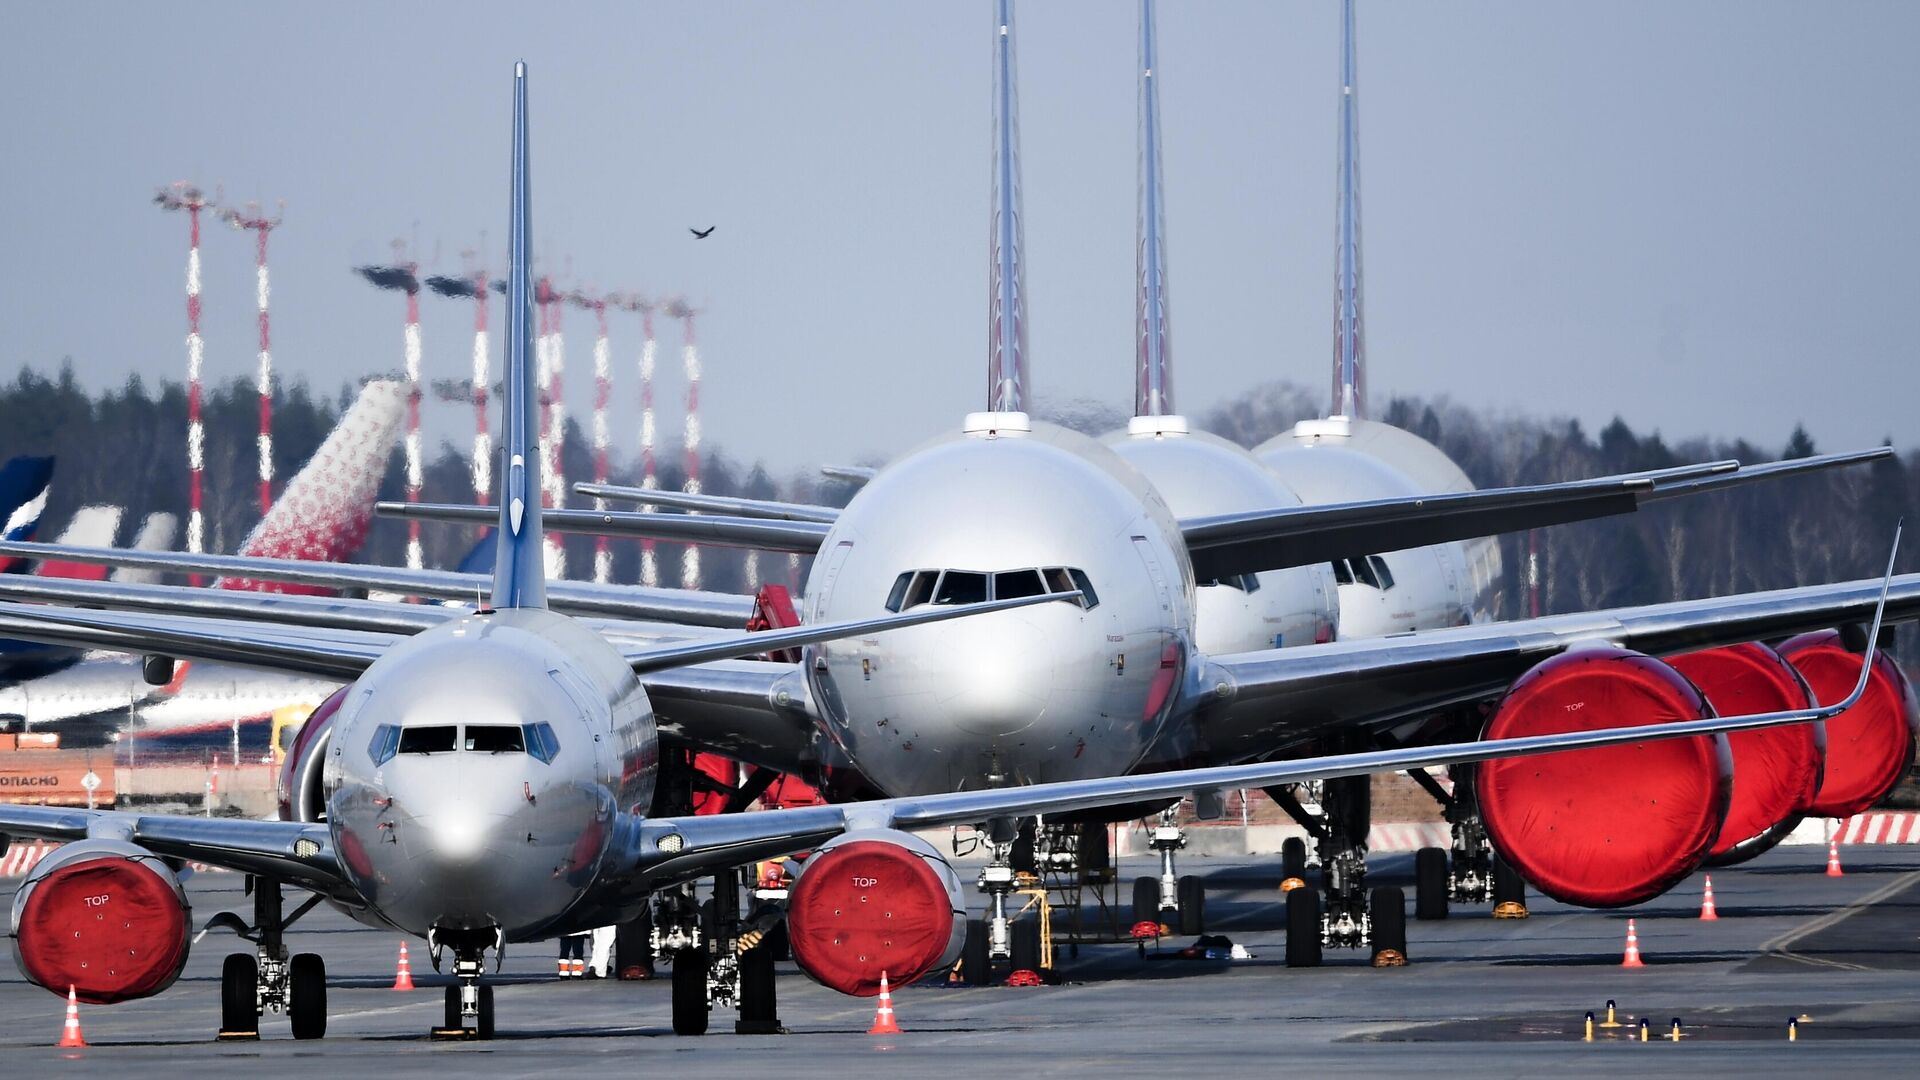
[(1833, 859), (883, 1016), (70, 1034), (403, 978), (1707, 913), (1632, 959)]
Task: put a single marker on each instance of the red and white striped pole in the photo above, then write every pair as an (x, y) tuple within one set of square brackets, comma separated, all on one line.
[(184, 196), (553, 418), (649, 563), (690, 354), (260, 225), (602, 393), (416, 468), (482, 379)]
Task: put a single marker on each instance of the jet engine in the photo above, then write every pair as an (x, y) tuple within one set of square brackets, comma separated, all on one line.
[(1776, 771), (1610, 826), (875, 901), (1870, 746), (302, 797), (105, 917)]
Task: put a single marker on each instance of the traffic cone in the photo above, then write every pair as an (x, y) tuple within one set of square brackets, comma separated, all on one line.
[(70, 1033), (1833, 859), (883, 1016), (1707, 913), (1632, 959), (403, 978)]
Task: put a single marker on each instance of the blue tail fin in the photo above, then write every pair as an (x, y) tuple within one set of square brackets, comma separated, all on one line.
[(519, 574)]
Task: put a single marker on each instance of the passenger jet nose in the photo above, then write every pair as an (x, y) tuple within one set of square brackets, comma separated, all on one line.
[(1000, 675)]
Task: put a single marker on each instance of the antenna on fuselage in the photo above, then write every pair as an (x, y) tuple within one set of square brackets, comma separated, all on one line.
[(1153, 384), (1349, 335), (519, 574), (1007, 273)]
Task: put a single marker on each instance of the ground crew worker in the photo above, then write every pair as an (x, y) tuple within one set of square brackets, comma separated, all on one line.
[(573, 955)]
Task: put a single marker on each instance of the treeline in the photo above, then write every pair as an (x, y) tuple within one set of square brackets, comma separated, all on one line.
[(127, 448)]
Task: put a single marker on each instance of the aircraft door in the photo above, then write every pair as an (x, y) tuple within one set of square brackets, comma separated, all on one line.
[(818, 598), (1155, 573)]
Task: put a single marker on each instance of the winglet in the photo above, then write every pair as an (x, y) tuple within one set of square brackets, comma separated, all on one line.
[(1873, 632), (519, 573)]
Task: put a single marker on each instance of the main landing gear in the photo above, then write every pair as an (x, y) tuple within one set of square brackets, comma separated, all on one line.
[(1352, 917), (1184, 897), (1468, 871), (268, 979), (720, 959)]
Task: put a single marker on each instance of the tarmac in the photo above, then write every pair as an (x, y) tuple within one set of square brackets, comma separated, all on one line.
[(1481, 998)]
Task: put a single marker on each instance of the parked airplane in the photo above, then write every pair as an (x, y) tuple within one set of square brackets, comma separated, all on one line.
[(1008, 508)]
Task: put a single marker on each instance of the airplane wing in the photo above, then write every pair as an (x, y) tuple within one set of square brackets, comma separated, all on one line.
[(802, 537), (666, 850), (711, 504), (330, 653), (852, 474), (291, 851), (1228, 544), (1266, 701), (688, 606)]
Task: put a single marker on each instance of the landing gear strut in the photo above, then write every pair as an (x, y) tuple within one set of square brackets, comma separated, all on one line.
[(269, 980), (1343, 911), (720, 960), (1184, 896)]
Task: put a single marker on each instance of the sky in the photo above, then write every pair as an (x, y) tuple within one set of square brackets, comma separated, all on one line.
[(1700, 216)]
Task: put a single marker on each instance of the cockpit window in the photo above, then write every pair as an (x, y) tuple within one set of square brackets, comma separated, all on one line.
[(1380, 571), (438, 739), (961, 587), (916, 587), (541, 741), (1342, 573), (1363, 572), (1246, 583), (1012, 584), (493, 739), (386, 740)]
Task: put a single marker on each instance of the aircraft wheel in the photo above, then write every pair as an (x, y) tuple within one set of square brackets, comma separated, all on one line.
[(759, 1008), (974, 965), (1303, 927), (1146, 900), (1293, 858), (1193, 905), (240, 994), (452, 1015), (1388, 914), (633, 948), (1430, 884), (1026, 945), (1508, 885), (307, 995), (484, 1027), (691, 1009)]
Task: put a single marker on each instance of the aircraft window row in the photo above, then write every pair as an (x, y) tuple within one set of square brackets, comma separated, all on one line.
[(1246, 583), (1365, 570), (916, 587), (535, 739)]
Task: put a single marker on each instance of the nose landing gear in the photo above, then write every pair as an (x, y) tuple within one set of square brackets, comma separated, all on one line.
[(469, 1002)]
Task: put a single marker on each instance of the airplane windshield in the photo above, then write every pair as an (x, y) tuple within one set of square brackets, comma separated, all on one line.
[(916, 587), (493, 740), (437, 739)]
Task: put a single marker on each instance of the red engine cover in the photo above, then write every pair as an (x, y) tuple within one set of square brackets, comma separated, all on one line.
[(106, 918), (871, 903), (1776, 771), (1614, 825), (1870, 746)]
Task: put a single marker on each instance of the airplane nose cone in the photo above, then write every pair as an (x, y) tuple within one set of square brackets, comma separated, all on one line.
[(1005, 670)]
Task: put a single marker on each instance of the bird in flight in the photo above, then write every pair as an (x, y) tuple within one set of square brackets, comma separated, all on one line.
[(702, 235)]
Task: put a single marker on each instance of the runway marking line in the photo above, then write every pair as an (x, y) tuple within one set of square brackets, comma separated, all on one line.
[(1781, 943)]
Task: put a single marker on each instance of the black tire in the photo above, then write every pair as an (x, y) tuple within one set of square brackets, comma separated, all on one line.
[(1303, 928), (240, 994), (484, 1027), (307, 995), (1293, 858), (1025, 944), (779, 941), (1387, 908), (1430, 883), (758, 1003), (452, 1015), (1193, 905), (690, 1005), (1507, 883), (1146, 900), (1021, 856), (1095, 858), (633, 945), (974, 965)]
